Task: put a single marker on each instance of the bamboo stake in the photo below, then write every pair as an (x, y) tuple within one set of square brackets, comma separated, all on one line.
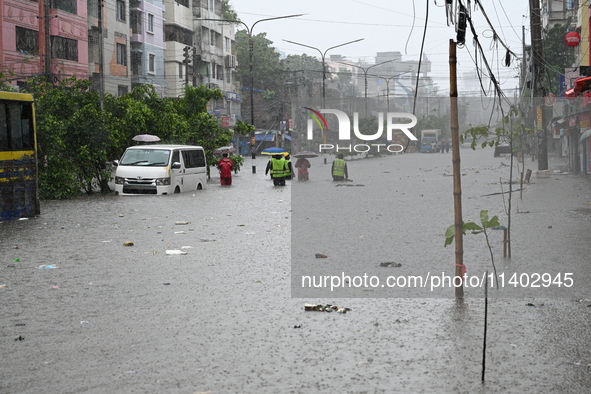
[(455, 149)]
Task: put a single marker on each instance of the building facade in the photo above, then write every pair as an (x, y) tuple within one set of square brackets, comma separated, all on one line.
[(40, 38)]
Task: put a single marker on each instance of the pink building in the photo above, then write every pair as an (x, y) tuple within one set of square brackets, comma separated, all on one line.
[(24, 25)]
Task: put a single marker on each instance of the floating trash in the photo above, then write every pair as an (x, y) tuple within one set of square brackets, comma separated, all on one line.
[(127, 243), (181, 223), (175, 252), (325, 308), (321, 256), (390, 264), (47, 266)]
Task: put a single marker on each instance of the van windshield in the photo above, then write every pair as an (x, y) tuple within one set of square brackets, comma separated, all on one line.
[(145, 157)]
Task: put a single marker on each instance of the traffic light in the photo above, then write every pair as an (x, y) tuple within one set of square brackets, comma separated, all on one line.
[(186, 54)]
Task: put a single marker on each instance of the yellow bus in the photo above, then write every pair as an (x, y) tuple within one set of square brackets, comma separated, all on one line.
[(19, 194)]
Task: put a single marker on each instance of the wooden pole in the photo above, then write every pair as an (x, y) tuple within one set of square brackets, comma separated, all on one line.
[(485, 325), (457, 175)]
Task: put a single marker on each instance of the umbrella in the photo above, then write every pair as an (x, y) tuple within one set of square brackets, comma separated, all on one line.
[(146, 138), (274, 151), (224, 149), (305, 154)]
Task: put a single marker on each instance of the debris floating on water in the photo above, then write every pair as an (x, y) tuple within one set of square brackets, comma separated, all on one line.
[(325, 308)]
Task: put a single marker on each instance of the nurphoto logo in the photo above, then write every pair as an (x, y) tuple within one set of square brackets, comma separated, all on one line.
[(344, 129)]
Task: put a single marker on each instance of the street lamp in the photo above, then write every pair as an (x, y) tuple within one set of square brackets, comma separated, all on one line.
[(388, 87), (365, 70), (323, 57), (250, 52)]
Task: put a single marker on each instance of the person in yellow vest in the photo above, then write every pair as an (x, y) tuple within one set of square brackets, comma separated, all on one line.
[(339, 169), (288, 168), (277, 166)]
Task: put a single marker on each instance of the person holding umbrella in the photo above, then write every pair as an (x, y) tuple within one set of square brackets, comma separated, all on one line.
[(288, 167), (302, 165), (225, 166), (278, 167)]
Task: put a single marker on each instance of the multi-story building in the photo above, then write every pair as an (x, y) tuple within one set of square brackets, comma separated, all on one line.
[(43, 38)]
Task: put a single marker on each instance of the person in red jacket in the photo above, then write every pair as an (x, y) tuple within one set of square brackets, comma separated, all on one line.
[(225, 166)]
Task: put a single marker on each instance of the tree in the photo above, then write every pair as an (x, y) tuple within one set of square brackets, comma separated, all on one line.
[(310, 67), (266, 67), (557, 55)]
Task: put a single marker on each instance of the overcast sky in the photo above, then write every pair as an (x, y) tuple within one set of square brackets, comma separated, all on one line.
[(395, 25)]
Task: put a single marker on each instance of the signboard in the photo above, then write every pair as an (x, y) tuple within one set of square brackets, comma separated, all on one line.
[(572, 39), (539, 118), (233, 96), (550, 100)]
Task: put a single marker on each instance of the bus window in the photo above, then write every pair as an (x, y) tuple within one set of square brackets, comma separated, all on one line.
[(3, 128)]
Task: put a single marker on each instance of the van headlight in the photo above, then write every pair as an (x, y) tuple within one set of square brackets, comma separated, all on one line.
[(119, 180), (162, 181)]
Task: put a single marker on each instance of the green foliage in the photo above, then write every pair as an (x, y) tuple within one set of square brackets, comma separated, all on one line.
[(486, 223), (238, 161), (5, 79), (557, 55), (76, 139), (243, 128), (309, 66), (510, 130), (228, 11), (266, 67)]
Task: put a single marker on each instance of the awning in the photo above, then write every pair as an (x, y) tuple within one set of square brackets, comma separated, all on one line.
[(264, 137), (586, 134), (288, 137)]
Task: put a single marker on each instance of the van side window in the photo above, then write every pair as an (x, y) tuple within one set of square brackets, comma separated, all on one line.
[(193, 158), (200, 156), (175, 157)]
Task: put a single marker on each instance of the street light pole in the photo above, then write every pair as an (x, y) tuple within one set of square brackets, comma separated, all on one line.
[(323, 57), (365, 70), (250, 67)]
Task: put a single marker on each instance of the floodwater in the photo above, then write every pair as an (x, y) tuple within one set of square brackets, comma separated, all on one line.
[(221, 318)]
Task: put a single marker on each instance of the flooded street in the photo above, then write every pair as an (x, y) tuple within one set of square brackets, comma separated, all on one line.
[(82, 313)]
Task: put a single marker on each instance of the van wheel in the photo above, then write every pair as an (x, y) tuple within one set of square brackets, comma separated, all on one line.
[(177, 190), (199, 187)]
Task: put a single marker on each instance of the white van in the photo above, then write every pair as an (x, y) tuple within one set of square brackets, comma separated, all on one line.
[(160, 169)]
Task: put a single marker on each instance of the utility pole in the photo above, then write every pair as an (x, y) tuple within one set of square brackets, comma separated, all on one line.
[(539, 85), (47, 63), (101, 55), (187, 60), (457, 173)]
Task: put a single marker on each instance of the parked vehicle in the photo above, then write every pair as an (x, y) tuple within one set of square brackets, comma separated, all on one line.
[(160, 169), (430, 140), (502, 148), (19, 194)]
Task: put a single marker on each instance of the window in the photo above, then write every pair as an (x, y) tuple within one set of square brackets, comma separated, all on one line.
[(193, 158), (181, 70), (228, 75), (212, 37), (228, 47), (135, 21), (27, 41), (64, 48), (122, 54), (570, 5), (16, 126), (184, 3), (150, 23), (152, 63), (213, 71), (64, 5), (122, 90), (121, 10), (178, 34)]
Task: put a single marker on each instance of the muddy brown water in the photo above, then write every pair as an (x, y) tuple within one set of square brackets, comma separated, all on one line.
[(220, 319)]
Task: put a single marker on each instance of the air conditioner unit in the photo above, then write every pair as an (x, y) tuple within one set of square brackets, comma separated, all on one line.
[(213, 86), (231, 61)]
